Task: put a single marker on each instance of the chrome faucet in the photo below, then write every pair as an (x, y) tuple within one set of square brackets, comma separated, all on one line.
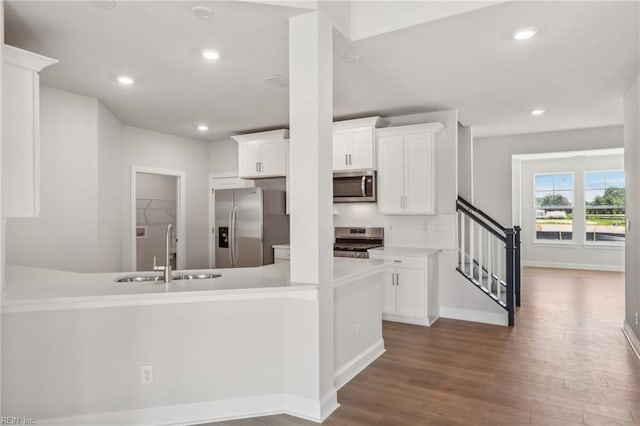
[(166, 268)]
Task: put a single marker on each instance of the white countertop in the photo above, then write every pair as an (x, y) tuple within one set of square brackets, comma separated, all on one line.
[(405, 251), (281, 246), (29, 286)]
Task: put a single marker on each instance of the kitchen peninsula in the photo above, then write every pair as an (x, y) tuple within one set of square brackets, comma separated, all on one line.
[(222, 348)]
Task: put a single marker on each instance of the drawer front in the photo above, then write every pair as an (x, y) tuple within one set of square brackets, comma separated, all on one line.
[(412, 262)]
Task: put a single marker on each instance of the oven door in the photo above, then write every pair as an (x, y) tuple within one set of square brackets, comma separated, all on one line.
[(354, 187)]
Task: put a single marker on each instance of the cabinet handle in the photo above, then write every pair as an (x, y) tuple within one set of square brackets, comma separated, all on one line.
[(260, 165), (256, 166), (397, 278), (346, 159), (350, 159), (393, 278)]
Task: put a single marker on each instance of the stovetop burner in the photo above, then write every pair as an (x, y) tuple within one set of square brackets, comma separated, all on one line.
[(354, 242)]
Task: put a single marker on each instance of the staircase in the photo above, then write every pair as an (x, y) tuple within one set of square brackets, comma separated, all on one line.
[(489, 256)]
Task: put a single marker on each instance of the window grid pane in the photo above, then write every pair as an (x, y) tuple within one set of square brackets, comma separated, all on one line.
[(604, 197), (553, 200)]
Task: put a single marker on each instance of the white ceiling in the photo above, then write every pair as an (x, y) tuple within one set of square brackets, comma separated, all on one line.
[(577, 67)]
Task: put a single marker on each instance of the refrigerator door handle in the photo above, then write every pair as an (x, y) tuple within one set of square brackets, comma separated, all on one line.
[(234, 250), (230, 236)]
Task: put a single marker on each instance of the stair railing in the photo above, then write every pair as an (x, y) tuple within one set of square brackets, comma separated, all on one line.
[(489, 256)]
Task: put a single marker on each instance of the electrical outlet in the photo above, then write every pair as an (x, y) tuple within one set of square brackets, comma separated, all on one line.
[(146, 374), (357, 330)]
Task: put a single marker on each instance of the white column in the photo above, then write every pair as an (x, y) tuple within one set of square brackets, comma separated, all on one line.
[(2, 219), (310, 174)]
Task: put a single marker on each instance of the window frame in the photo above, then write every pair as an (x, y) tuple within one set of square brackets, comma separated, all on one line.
[(538, 241), (585, 242)]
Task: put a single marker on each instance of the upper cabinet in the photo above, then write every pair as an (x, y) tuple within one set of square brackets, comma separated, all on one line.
[(354, 145), (21, 131), (407, 169), (262, 155)]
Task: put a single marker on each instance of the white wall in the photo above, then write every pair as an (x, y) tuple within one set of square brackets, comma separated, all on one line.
[(465, 162), (576, 254), (146, 148), (632, 177), (492, 161), (223, 157), (73, 362), (65, 236), (109, 191)]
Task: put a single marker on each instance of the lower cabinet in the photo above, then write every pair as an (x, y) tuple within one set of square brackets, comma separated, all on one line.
[(410, 289)]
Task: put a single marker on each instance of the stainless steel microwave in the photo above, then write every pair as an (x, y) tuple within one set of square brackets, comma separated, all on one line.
[(354, 187)]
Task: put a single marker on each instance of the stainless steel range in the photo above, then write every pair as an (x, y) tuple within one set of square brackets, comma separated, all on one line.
[(354, 242)]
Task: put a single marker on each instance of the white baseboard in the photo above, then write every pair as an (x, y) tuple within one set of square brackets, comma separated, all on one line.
[(310, 409), (358, 363), (209, 411), (631, 338), (406, 320), (496, 318), (563, 265)]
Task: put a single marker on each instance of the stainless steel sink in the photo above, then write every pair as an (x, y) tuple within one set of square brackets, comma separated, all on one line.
[(139, 278), (148, 278), (195, 276)]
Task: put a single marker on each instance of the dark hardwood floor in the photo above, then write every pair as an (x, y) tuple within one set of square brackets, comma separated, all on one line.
[(566, 362)]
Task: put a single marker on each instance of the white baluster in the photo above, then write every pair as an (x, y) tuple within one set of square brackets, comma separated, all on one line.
[(459, 223), (472, 244), (490, 260), (464, 242), (498, 267), (481, 233)]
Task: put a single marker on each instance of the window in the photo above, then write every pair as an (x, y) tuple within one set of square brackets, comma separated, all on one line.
[(604, 206), (553, 205)]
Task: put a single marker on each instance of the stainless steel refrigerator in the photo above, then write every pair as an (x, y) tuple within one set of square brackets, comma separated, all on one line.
[(249, 221)]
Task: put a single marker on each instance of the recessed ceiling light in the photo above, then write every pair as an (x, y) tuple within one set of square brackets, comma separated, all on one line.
[(537, 112), (202, 12), (525, 33), (125, 80), (202, 127), (210, 55)]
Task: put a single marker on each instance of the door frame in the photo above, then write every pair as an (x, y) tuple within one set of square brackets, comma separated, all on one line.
[(180, 212)]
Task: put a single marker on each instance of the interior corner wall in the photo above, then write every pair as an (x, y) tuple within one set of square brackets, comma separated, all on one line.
[(492, 179), (223, 157), (146, 148), (632, 179), (64, 236), (110, 152), (465, 162)]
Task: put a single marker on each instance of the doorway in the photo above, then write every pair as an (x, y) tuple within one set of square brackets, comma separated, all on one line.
[(157, 201)]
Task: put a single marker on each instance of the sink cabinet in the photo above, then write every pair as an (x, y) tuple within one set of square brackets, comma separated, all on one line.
[(21, 131)]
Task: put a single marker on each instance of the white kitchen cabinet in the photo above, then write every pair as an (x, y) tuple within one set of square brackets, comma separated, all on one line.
[(354, 145), (21, 131), (407, 169), (410, 287), (262, 155)]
